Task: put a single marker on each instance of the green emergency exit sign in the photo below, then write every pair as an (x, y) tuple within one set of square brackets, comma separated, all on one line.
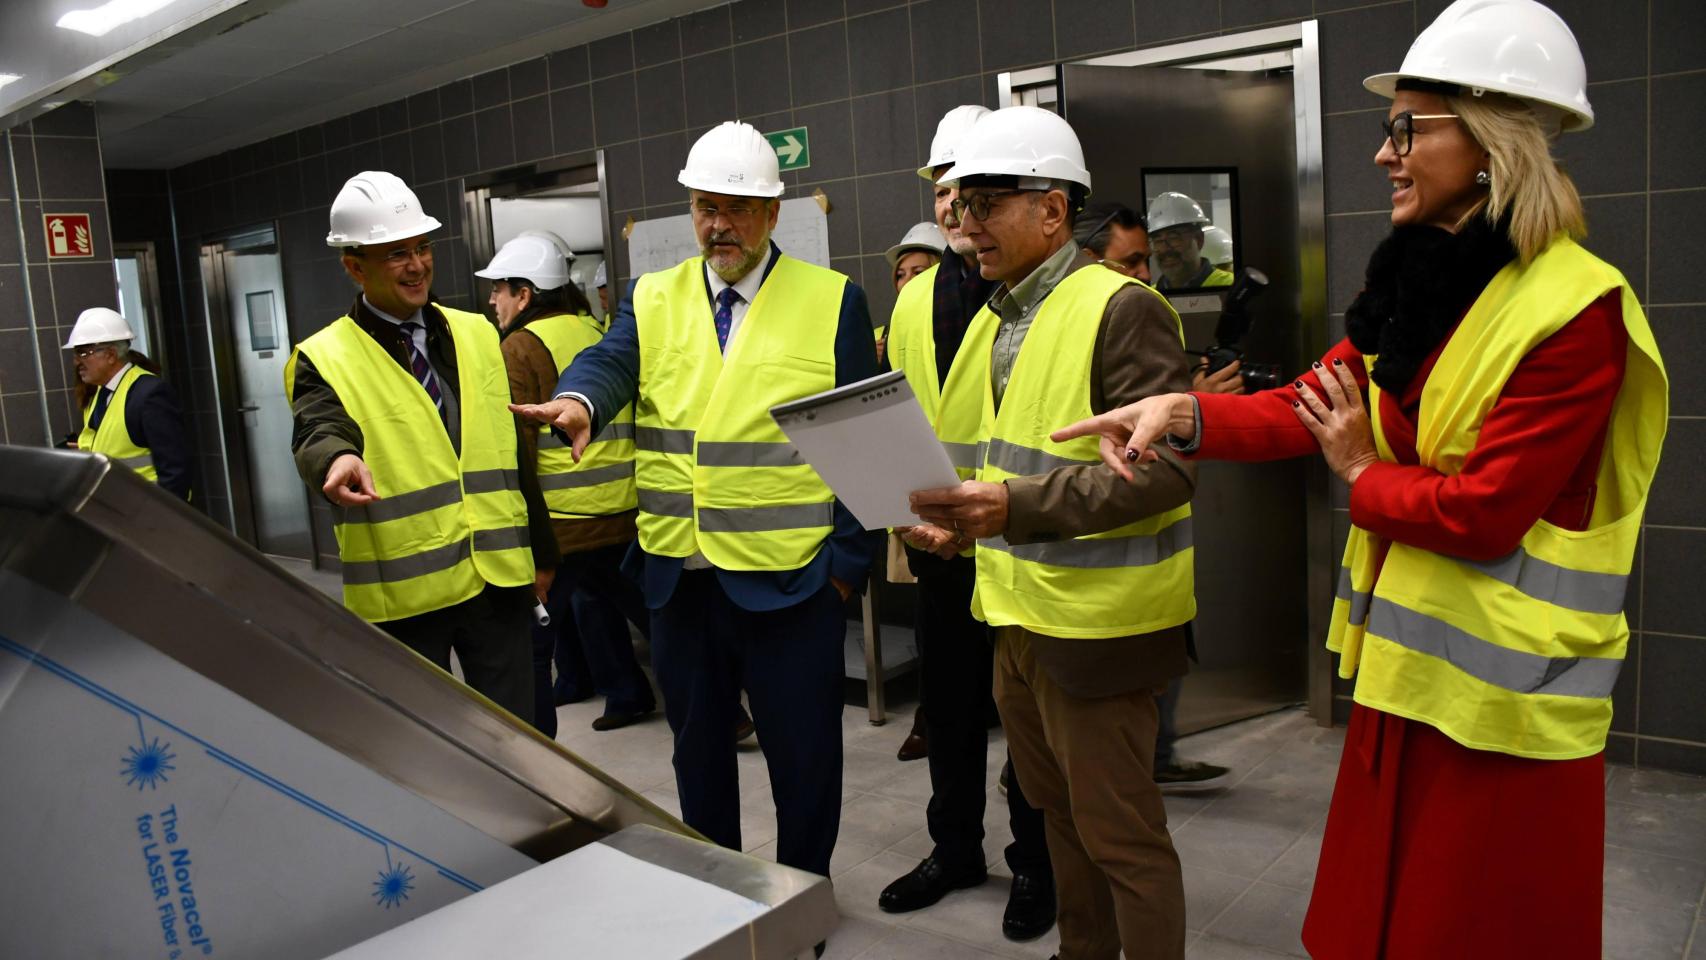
[(792, 148)]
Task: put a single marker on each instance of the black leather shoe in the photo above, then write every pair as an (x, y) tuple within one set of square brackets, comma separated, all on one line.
[(929, 882), (616, 721), (1030, 907), (915, 746)]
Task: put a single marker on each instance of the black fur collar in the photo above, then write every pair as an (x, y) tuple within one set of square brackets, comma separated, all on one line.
[(1420, 281)]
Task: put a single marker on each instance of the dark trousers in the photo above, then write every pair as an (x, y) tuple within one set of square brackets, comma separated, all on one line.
[(591, 604), (705, 651), (489, 632), (957, 666), (1168, 705)]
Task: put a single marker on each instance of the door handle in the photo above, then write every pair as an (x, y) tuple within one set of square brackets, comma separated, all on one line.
[(249, 408)]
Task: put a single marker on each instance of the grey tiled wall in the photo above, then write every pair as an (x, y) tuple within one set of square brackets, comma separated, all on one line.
[(871, 77), (58, 159)]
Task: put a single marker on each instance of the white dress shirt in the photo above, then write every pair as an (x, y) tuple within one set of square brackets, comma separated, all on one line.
[(419, 333), (746, 286), (113, 383)]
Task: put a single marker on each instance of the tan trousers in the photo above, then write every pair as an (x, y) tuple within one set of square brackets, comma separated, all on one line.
[(1089, 764)]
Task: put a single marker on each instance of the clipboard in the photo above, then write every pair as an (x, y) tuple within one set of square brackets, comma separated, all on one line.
[(871, 443)]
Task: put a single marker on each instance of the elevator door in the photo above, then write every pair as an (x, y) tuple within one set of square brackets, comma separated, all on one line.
[(245, 293), (1146, 129)]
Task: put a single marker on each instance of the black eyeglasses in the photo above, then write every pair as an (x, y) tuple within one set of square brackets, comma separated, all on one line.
[(1401, 130), (981, 205)]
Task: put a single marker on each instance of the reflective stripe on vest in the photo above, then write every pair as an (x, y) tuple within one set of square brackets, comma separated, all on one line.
[(602, 483), (1516, 655), (1131, 580), (444, 525), (715, 473), (955, 407), (113, 439)]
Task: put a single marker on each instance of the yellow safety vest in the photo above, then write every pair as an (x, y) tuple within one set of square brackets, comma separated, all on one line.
[(602, 483), (954, 408), (113, 438), (1516, 655), (715, 473), (444, 527), (1134, 579), (1218, 278)]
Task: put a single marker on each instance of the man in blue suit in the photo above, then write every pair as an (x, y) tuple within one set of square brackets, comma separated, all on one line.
[(748, 559)]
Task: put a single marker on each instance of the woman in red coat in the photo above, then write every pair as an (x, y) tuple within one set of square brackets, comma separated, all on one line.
[(1498, 468)]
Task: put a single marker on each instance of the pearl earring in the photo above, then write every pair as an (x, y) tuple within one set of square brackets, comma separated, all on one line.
[(1483, 178)]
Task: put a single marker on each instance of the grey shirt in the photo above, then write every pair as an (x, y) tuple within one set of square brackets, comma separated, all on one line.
[(1017, 307)]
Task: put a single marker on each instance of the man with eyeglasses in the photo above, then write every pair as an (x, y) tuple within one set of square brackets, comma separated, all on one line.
[(1085, 577), (747, 558), (1176, 225), (131, 415), (402, 423), (939, 336)]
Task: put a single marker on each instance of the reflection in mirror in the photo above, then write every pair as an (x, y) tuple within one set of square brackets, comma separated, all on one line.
[(1191, 218)]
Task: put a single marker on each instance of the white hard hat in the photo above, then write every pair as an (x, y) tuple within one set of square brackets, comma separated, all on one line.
[(952, 129), (598, 277), (1516, 47), (733, 158), (1216, 245), (1172, 208), (556, 241), (376, 207), (924, 236), (1025, 142), (98, 325), (532, 258)]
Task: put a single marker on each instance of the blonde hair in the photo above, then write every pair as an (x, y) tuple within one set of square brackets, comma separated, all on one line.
[(1528, 184)]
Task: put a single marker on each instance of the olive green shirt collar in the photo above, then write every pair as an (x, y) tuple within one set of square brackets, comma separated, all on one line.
[(1024, 297)]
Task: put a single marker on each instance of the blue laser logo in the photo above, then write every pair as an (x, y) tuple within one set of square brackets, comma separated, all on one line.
[(147, 765), (393, 886)]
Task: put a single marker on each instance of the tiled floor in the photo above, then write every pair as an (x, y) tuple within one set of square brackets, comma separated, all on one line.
[(1249, 851)]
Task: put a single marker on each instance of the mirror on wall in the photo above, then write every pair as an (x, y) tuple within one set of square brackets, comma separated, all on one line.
[(1192, 214)]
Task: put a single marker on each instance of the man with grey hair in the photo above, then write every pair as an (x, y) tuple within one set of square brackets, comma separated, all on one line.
[(746, 557), (132, 416), (1085, 577)]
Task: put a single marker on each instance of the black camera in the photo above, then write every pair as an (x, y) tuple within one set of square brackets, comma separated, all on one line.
[(1234, 323)]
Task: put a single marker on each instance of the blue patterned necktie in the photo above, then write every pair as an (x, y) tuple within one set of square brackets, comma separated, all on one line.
[(725, 316), (420, 367)]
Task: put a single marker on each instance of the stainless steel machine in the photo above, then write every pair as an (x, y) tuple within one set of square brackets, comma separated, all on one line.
[(204, 756)]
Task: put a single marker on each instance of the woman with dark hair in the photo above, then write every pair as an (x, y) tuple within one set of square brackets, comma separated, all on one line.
[(546, 320), (1498, 471)]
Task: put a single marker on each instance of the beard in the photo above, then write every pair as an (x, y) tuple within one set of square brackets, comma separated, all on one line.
[(962, 245), (728, 265)]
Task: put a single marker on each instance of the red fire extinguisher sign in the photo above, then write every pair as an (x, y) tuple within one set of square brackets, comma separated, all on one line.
[(68, 235)]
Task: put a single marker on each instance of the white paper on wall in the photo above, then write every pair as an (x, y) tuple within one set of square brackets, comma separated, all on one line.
[(802, 231)]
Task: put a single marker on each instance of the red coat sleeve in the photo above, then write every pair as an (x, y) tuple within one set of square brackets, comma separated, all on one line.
[(1537, 454), (1263, 426)]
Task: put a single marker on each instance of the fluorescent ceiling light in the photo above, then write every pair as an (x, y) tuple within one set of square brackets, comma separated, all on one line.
[(98, 21), (6, 78)]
